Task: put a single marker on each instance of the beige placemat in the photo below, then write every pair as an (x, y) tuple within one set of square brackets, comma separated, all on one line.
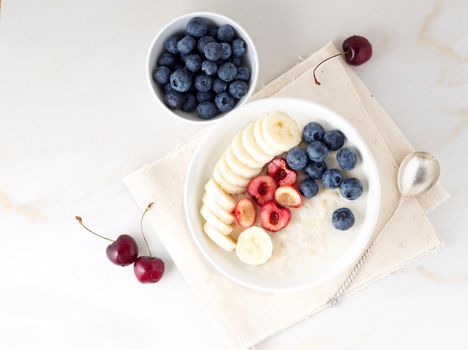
[(243, 316)]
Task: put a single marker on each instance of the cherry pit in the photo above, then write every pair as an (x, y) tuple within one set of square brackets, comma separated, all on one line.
[(123, 251)]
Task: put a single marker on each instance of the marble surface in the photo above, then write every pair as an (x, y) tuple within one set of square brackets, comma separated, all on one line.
[(77, 115)]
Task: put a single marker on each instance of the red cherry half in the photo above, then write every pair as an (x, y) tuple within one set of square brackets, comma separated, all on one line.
[(274, 217), (280, 171)]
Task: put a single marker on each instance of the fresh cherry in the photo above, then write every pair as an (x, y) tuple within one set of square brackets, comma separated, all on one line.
[(123, 251), (148, 269), (356, 50)]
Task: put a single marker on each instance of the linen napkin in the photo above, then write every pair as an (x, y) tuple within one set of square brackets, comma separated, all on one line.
[(243, 316)]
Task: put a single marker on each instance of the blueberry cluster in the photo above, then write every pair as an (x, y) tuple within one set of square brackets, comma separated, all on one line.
[(202, 69), (312, 161)]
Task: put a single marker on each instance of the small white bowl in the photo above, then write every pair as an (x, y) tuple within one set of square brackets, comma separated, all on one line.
[(178, 26), (211, 148)]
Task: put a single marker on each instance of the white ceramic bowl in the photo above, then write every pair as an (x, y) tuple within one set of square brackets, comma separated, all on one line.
[(211, 148), (178, 26)]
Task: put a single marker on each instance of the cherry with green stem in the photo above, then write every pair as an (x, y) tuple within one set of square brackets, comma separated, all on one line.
[(356, 51), (148, 269), (123, 251)]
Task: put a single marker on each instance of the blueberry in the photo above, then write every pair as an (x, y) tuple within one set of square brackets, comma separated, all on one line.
[(238, 47), (243, 73), (317, 151), (173, 99), (313, 132), (219, 86), (238, 88), (225, 51), (203, 41), (351, 189), (297, 158), (206, 110), (193, 62), (203, 82), (204, 96), (315, 169), (178, 65), (227, 72), (181, 80), (186, 44), (224, 102), (226, 33), (189, 104), (212, 51), (236, 61), (343, 219), (197, 27), (171, 44), (332, 178), (167, 88), (209, 67), (212, 31), (333, 139), (308, 188), (346, 158), (166, 59), (161, 75)]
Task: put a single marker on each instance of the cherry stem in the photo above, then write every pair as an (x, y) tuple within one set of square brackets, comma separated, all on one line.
[(141, 227), (80, 221), (325, 60)]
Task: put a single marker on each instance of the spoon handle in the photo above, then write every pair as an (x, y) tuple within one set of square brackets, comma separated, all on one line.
[(357, 267)]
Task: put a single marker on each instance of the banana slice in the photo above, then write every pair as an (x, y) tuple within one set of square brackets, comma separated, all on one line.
[(238, 167), (210, 202), (254, 246), (221, 198), (231, 176), (258, 133), (241, 154), (225, 242), (251, 146), (280, 131), (214, 221), (224, 184)]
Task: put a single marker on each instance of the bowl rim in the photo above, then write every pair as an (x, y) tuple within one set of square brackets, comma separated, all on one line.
[(337, 268), (243, 34)]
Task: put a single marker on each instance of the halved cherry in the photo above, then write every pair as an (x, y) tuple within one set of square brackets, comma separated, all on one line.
[(262, 189), (288, 196), (274, 217), (245, 212), (281, 172)]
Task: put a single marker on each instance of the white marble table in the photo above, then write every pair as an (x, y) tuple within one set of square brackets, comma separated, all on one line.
[(76, 115)]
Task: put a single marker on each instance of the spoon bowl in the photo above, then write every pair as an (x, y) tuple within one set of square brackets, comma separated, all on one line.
[(418, 173)]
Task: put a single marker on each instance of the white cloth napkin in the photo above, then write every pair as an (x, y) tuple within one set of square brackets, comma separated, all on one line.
[(246, 317)]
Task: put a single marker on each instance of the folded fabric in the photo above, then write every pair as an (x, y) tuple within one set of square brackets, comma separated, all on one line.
[(243, 316)]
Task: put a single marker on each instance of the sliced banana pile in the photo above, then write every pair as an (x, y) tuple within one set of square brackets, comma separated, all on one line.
[(249, 151)]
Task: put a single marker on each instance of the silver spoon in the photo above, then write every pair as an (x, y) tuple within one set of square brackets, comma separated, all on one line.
[(417, 174)]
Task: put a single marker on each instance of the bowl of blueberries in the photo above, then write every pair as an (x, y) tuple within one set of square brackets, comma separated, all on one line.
[(201, 66)]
